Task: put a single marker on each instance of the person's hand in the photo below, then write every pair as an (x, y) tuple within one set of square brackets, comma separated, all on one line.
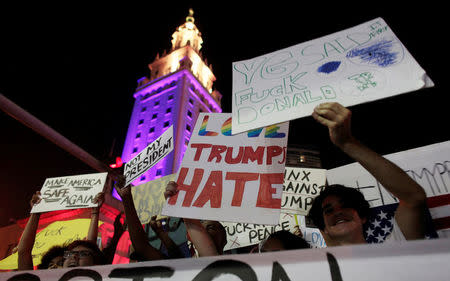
[(119, 228), (297, 231), (156, 225), (171, 189), (124, 192), (338, 120), (35, 199)]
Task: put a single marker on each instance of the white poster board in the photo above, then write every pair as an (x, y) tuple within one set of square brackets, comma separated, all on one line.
[(429, 166), (226, 177), (360, 64), (301, 186), (409, 261), (71, 192), (149, 156)]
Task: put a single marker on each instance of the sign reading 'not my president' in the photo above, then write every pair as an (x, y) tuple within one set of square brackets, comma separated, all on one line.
[(226, 177)]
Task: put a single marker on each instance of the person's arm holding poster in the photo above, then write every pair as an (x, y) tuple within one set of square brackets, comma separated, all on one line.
[(410, 212), (26, 243), (199, 236), (95, 214), (137, 234)]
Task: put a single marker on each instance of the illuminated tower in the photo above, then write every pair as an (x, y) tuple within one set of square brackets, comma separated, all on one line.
[(180, 85)]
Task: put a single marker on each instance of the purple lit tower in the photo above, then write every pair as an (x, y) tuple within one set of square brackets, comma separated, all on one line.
[(179, 87)]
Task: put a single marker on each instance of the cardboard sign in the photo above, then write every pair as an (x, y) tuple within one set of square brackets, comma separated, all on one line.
[(226, 177), (56, 233), (360, 64), (149, 199), (301, 186), (72, 192), (149, 156), (410, 261), (245, 234)]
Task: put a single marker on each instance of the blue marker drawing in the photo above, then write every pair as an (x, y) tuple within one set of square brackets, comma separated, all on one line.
[(329, 67), (380, 54)]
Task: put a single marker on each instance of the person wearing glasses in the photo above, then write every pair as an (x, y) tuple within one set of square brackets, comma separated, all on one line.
[(83, 253)]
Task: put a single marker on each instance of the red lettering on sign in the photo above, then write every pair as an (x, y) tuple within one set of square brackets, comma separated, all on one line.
[(273, 151), (252, 155), (266, 190), (229, 156), (212, 191), (216, 152), (199, 148), (241, 179)]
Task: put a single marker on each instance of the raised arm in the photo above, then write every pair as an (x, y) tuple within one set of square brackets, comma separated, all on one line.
[(95, 214), (199, 236), (411, 196), (137, 234), (172, 249), (26, 243), (111, 246)]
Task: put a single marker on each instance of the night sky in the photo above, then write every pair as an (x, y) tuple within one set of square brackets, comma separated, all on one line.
[(75, 68)]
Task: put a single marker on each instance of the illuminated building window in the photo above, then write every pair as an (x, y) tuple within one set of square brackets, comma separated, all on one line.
[(188, 128), (169, 110), (152, 130), (143, 109), (141, 121), (166, 124), (138, 135), (191, 101), (135, 150), (156, 103), (170, 97), (154, 116), (158, 172), (143, 178), (189, 113)]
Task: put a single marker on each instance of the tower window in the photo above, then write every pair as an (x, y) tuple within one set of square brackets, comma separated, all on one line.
[(156, 103), (138, 135), (135, 150), (170, 97), (154, 116), (166, 124), (141, 121), (188, 128), (144, 109), (169, 110), (191, 101), (189, 113), (158, 172), (143, 178), (152, 129)]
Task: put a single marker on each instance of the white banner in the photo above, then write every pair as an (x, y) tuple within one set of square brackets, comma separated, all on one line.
[(71, 192), (411, 261), (360, 64), (149, 156), (301, 186), (226, 177)]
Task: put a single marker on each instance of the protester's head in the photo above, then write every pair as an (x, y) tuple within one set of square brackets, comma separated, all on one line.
[(283, 240), (217, 232), (53, 258), (83, 253), (339, 211)]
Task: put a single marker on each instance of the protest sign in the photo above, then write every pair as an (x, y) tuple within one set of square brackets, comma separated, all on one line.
[(245, 234), (149, 199), (429, 166), (301, 186), (149, 156), (360, 64), (228, 177), (411, 261), (72, 192), (56, 233)]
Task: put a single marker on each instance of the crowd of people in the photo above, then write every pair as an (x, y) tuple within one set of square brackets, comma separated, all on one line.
[(339, 212)]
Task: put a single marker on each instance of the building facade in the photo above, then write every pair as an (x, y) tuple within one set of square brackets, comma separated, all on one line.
[(178, 88)]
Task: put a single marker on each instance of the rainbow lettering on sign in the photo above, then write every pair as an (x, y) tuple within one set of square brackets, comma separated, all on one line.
[(203, 131), (226, 127)]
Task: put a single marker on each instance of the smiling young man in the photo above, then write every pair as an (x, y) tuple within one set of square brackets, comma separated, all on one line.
[(340, 212)]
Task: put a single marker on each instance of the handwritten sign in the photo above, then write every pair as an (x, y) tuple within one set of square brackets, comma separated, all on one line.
[(56, 233), (364, 63), (149, 199), (226, 177), (301, 186), (245, 234), (70, 192), (429, 166), (411, 261), (149, 156)]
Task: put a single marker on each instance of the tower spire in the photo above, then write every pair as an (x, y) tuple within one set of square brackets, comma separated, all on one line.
[(187, 34)]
